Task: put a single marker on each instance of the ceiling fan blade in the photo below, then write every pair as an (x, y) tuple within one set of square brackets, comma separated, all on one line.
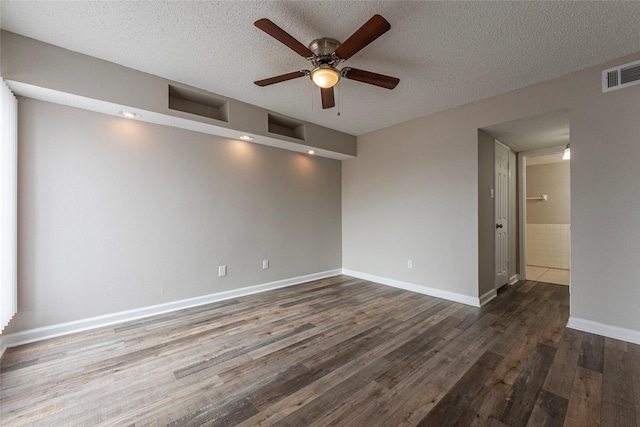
[(371, 30), (280, 78), (283, 37), (328, 101), (375, 79)]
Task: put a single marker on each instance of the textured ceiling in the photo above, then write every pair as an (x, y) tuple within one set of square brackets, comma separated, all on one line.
[(534, 133), (445, 53)]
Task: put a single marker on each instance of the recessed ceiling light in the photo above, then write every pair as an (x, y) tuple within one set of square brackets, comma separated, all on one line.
[(311, 151), (129, 114), (247, 138)]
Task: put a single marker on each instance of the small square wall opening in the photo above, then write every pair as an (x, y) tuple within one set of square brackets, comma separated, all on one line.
[(286, 127), (198, 103)]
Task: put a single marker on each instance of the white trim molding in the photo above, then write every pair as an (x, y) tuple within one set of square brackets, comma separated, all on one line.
[(3, 346), (488, 296), (425, 290), (610, 331), (46, 332), (8, 205), (514, 279)]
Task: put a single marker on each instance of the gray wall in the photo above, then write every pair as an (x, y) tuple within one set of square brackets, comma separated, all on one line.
[(486, 213), (413, 193), (605, 201), (553, 180), (117, 214)]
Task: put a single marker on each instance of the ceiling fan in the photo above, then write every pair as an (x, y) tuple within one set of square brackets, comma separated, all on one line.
[(326, 53)]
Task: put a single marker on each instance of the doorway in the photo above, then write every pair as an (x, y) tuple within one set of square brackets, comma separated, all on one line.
[(545, 134), (546, 215)]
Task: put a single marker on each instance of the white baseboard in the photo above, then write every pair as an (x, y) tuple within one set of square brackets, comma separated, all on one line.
[(39, 334), (598, 328), (3, 346), (514, 279), (425, 290), (488, 296)]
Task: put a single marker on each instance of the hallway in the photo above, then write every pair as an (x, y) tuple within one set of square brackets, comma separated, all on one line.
[(548, 275)]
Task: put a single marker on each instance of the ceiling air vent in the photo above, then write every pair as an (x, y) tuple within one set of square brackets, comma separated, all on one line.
[(621, 76)]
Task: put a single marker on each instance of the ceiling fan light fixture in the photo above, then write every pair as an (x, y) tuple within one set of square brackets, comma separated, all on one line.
[(325, 76), (326, 54)]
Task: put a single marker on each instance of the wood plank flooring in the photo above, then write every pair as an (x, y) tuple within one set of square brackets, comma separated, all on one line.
[(340, 352)]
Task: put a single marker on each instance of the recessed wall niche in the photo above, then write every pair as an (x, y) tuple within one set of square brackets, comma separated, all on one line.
[(286, 127), (198, 103)]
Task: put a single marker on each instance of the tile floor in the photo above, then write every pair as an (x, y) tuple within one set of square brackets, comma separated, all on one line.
[(548, 275)]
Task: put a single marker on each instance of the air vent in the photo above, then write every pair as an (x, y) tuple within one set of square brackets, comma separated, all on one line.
[(622, 76)]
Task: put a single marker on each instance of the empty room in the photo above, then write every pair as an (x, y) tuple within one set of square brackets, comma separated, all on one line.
[(319, 213)]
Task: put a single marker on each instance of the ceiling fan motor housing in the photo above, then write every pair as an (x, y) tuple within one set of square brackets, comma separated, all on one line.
[(323, 49)]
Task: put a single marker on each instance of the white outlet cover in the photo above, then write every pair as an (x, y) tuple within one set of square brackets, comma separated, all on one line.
[(222, 270), (265, 264), (410, 263)]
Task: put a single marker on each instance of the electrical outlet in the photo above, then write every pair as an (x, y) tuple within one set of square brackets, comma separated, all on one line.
[(222, 270), (410, 263), (265, 264)]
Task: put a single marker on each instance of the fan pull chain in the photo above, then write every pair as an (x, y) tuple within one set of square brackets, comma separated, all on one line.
[(312, 103), (339, 96)]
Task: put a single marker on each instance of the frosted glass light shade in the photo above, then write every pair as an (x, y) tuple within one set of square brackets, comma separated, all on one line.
[(325, 77)]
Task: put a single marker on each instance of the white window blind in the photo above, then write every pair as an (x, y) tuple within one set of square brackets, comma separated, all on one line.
[(8, 205)]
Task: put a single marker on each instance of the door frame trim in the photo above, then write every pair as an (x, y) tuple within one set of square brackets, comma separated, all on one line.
[(509, 219)]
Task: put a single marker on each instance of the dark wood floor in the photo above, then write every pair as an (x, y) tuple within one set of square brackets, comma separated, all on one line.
[(339, 351)]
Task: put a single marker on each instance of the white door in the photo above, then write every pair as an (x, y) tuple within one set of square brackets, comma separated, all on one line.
[(502, 213)]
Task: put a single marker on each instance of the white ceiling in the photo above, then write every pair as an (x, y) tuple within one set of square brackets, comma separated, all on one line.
[(546, 159), (534, 133), (445, 53)]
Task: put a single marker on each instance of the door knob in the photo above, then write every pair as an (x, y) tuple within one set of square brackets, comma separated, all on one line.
[(498, 225)]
